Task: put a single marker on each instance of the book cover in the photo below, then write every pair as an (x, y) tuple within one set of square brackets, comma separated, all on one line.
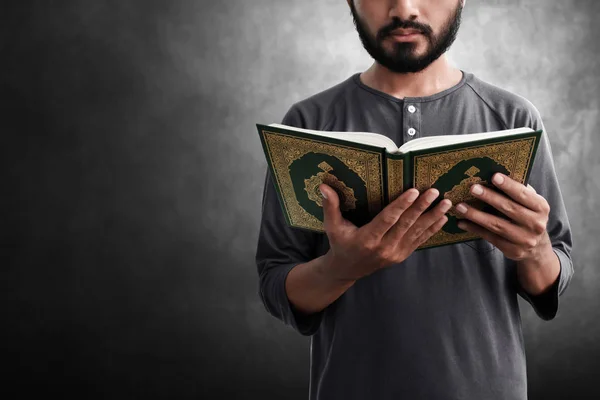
[(299, 162), (367, 177), (454, 169)]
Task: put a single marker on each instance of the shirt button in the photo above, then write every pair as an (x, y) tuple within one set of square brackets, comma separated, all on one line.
[(412, 109), (411, 131)]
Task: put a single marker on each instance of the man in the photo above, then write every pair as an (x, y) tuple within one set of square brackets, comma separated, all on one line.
[(442, 323)]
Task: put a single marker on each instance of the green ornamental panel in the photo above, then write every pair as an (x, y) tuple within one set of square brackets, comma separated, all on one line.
[(312, 169), (467, 172)]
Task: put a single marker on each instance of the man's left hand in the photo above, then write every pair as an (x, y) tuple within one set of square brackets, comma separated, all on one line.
[(521, 238)]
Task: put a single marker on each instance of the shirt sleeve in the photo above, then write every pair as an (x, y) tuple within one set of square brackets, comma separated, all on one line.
[(280, 248), (544, 180)]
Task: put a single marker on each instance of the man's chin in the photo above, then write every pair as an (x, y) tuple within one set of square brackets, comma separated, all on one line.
[(405, 59), (411, 50)]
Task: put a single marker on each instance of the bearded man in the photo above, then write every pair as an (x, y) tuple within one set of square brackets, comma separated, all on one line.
[(388, 322)]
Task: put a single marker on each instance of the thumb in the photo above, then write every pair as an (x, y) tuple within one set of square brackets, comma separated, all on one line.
[(331, 207)]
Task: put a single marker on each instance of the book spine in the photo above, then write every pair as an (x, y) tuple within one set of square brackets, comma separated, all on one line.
[(385, 178), (408, 178)]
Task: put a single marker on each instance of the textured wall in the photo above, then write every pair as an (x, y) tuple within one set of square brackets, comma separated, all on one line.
[(133, 178)]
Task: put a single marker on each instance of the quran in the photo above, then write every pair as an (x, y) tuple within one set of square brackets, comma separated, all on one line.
[(368, 171)]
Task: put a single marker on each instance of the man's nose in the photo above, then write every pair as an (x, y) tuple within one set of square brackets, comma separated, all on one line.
[(406, 10)]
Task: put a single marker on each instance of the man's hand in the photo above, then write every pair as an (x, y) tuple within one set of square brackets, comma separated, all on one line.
[(389, 238), (522, 238)]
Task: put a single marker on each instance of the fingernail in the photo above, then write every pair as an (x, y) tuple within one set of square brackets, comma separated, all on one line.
[(531, 188), (498, 179), (446, 205), (412, 196), (477, 189), (432, 195), (323, 194), (461, 208)]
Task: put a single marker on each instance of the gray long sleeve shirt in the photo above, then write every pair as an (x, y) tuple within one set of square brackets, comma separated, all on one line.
[(445, 323)]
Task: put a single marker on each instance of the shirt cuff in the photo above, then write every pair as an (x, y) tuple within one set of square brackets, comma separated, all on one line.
[(546, 303), (305, 324)]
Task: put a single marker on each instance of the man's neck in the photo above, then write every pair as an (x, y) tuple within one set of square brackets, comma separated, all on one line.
[(437, 77)]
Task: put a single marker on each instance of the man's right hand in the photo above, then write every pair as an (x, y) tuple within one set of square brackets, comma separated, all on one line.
[(389, 238)]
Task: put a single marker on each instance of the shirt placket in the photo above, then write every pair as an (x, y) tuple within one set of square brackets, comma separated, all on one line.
[(412, 121)]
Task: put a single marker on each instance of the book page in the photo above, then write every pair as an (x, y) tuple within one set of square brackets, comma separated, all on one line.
[(368, 138), (444, 140)]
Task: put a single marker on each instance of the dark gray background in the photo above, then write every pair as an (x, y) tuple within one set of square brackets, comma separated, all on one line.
[(133, 179)]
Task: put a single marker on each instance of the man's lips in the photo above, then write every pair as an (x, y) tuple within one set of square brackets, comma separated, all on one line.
[(404, 35), (405, 32)]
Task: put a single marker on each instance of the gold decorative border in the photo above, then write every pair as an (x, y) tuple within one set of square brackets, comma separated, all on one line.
[(395, 178), (283, 149), (514, 155)]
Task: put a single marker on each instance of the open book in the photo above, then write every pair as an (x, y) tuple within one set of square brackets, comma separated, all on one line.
[(368, 171)]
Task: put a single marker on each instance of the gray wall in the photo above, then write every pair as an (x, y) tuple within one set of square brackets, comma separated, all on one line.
[(133, 179)]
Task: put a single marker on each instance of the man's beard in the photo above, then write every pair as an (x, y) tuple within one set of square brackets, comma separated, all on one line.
[(401, 59)]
